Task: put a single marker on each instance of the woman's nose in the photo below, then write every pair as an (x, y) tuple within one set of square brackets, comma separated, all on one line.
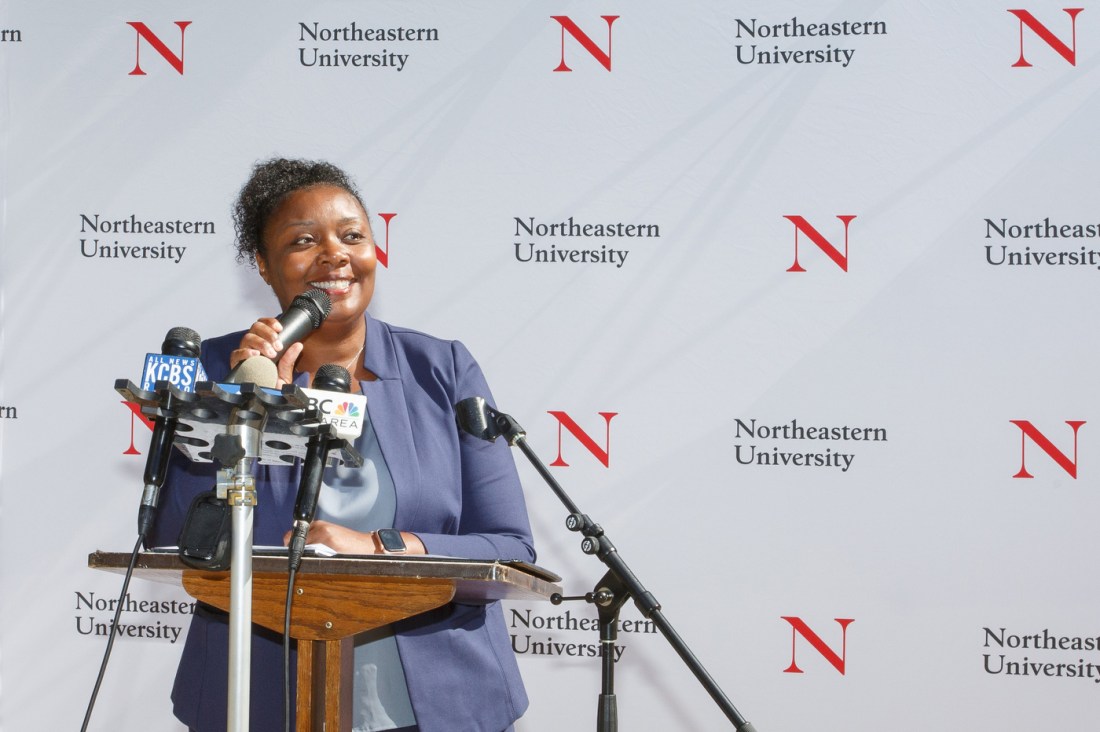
[(333, 251)]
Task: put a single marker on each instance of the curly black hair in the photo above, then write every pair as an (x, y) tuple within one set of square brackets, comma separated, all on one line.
[(271, 182)]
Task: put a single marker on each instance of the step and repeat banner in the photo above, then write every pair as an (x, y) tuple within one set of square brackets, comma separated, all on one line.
[(795, 298)]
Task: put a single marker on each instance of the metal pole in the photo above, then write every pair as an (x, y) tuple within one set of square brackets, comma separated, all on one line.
[(240, 488)]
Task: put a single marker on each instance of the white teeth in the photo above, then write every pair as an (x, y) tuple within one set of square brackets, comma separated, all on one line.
[(331, 284)]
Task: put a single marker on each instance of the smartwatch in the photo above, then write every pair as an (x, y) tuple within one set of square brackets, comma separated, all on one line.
[(391, 540)]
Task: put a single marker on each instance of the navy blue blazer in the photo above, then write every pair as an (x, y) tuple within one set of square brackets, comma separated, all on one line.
[(462, 497)]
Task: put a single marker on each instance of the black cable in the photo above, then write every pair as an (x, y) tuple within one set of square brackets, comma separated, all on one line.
[(113, 632), (292, 575), (294, 553)]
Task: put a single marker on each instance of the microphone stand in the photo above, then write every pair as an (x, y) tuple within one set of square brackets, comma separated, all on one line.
[(238, 449), (245, 424), (612, 592)]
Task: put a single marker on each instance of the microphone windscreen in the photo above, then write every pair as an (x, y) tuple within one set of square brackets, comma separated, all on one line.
[(257, 370), (332, 377)]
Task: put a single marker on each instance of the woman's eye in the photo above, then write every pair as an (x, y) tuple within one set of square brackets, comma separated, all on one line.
[(353, 236)]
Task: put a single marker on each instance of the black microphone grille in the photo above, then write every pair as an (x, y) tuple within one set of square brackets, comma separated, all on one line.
[(182, 342), (316, 303), (332, 377)]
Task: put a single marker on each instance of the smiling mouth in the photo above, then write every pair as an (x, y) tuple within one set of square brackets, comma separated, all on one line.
[(331, 285)]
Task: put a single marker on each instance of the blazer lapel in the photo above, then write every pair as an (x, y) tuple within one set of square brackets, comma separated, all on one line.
[(389, 416)]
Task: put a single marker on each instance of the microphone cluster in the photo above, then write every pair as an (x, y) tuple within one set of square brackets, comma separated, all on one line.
[(169, 380)]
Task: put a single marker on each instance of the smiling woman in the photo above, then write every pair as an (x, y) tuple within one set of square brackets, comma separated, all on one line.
[(423, 487), (304, 226), (318, 238)]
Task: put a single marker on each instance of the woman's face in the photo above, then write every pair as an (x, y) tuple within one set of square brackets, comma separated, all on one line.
[(320, 237)]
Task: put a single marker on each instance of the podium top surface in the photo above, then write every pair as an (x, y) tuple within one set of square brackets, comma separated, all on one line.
[(475, 580)]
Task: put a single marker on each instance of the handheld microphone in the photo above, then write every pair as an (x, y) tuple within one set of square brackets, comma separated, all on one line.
[(179, 365), (330, 378), (306, 312)]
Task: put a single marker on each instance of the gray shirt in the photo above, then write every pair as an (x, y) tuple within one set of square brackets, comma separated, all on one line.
[(364, 499)]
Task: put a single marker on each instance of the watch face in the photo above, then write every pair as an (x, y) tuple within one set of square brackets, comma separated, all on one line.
[(392, 540)]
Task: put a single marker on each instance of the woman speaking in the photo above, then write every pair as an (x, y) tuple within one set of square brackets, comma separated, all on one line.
[(303, 225)]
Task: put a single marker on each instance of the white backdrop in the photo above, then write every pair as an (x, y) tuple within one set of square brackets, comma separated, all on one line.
[(961, 353)]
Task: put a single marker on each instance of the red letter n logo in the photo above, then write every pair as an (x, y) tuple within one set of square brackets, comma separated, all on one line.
[(799, 628), (567, 25), (383, 255), (1027, 429), (176, 62), (135, 415), (1069, 53), (602, 454), (802, 225)]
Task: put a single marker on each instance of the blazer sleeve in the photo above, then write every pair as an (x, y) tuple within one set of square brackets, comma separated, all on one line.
[(493, 522)]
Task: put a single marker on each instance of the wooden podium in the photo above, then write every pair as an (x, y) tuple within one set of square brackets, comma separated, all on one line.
[(338, 597)]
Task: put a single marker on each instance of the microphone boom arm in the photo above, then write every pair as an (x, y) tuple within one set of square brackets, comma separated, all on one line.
[(620, 579)]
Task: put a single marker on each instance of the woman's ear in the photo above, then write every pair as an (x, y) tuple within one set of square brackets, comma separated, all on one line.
[(261, 266)]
